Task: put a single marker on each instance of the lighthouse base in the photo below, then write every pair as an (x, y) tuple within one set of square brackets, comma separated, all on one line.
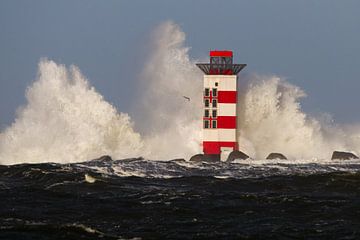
[(217, 157), (212, 157)]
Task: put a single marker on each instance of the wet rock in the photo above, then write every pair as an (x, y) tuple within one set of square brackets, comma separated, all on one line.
[(197, 158), (205, 158), (105, 158), (343, 156), (237, 155), (276, 156)]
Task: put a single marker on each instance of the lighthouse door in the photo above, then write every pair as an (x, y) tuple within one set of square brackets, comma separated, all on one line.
[(225, 151)]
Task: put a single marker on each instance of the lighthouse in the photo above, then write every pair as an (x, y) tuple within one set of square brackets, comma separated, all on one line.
[(220, 105)]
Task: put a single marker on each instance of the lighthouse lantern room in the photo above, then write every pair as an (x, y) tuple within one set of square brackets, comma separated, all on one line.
[(220, 105)]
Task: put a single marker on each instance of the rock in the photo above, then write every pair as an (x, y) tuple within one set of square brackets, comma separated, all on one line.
[(343, 156), (205, 158), (237, 155), (276, 156), (216, 158), (197, 158), (105, 158), (212, 157)]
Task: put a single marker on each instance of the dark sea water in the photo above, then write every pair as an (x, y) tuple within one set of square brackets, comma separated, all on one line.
[(139, 199)]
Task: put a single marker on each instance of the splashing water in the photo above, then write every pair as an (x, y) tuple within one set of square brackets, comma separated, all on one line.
[(173, 124), (271, 120), (66, 120)]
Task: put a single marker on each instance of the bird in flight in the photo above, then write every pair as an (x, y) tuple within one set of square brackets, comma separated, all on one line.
[(187, 98)]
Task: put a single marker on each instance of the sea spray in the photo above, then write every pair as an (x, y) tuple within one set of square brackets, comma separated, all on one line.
[(271, 120), (66, 120), (169, 116)]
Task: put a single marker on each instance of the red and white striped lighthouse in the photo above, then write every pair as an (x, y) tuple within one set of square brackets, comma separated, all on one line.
[(220, 105)]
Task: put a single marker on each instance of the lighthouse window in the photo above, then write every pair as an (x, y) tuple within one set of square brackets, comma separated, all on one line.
[(207, 102), (207, 92), (214, 113), (228, 60), (215, 60), (214, 103), (206, 114), (206, 124), (216, 84), (214, 122), (214, 92)]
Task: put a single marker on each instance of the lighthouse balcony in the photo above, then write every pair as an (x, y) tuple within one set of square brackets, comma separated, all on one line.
[(220, 69)]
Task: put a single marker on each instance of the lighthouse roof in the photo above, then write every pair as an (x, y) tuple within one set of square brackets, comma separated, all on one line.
[(222, 53), (221, 63)]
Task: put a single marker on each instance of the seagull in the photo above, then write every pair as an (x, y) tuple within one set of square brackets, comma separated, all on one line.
[(187, 98)]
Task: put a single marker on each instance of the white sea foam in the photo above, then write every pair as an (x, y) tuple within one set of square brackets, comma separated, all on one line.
[(173, 124), (271, 120), (67, 120)]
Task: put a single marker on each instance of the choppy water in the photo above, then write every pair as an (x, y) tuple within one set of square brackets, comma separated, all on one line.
[(135, 198)]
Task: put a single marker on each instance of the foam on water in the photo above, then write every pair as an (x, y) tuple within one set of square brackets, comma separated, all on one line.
[(237, 169), (66, 120)]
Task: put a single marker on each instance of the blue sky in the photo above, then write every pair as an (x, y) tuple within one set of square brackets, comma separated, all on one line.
[(314, 44)]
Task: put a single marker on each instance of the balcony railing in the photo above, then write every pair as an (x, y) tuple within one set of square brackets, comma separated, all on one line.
[(220, 69)]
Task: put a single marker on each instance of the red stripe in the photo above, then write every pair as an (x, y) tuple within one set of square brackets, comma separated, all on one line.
[(227, 96), (214, 147), (226, 122), (221, 53), (221, 72)]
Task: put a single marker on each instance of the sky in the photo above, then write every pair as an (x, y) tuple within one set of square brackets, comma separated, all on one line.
[(313, 44)]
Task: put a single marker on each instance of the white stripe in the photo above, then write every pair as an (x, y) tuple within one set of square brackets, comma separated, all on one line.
[(225, 82), (227, 109), (219, 135)]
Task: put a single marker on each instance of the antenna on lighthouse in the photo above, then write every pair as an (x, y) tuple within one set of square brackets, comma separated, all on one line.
[(220, 105)]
